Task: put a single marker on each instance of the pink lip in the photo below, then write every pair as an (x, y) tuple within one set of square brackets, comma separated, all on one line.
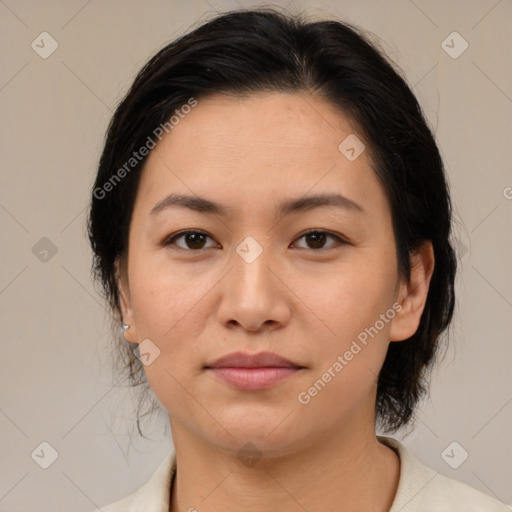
[(246, 360), (254, 378), (253, 371)]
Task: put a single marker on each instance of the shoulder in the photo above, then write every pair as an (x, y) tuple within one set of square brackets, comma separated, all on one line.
[(123, 505), (422, 489), (459, 496), (153, 496)]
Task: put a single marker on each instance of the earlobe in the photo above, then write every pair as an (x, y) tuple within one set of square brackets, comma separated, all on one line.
[(412, 295), (129, 332)]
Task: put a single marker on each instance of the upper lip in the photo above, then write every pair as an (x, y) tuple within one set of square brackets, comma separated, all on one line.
[(246, 360)]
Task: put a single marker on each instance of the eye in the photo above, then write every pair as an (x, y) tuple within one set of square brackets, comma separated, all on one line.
[(318, 237), (193, 240)]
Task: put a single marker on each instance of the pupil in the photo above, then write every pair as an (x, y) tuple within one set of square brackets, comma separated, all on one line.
[(320, 239), (194, 237)]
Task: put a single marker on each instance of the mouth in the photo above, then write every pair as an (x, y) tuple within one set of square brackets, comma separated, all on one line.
[(252, 379), (253, 372)]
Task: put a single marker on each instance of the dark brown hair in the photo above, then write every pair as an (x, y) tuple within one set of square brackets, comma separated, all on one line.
[(256, 50)]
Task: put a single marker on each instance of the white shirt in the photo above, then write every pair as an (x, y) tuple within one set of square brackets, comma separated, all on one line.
[(420, 489)]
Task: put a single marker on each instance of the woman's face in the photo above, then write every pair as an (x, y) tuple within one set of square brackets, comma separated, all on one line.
[(252, 281)]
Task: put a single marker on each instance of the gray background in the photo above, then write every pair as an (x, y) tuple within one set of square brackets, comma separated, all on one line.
[(55, 375)]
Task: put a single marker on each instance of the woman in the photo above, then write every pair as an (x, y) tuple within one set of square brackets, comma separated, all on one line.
[(271, 221)]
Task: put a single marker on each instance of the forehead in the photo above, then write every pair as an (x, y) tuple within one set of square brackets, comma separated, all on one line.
[(257, 147), (298, 121)]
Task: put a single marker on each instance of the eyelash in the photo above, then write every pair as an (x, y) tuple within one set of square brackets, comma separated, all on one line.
[(339, 240)]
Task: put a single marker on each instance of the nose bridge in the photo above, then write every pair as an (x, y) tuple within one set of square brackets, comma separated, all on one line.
[(251, 295), (251, 261)]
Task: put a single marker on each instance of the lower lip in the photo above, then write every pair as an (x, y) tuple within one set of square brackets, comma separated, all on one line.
[(254, 378)]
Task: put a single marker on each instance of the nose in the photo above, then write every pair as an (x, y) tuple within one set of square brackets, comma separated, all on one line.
[(254, 295)]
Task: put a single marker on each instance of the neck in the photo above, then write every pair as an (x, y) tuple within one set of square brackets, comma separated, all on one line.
[(347, 471)]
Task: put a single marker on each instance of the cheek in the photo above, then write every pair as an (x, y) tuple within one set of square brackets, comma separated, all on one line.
[(171, 308), (356, 296), (163, 298), (360, 314), (358, 310)]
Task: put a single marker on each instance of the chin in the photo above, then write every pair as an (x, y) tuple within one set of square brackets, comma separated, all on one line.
[(265, 435), (244, 444)]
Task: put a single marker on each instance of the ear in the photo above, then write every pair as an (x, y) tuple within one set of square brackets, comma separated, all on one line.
[(412, 294), (125, 300)]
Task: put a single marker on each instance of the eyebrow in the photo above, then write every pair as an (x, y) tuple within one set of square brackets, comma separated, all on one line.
[(288, 207)]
